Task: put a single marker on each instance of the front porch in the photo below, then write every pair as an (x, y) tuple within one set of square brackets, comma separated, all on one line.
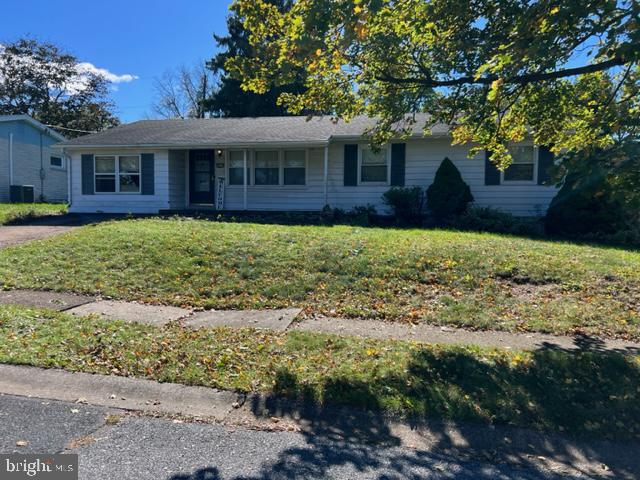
[(274, 178)]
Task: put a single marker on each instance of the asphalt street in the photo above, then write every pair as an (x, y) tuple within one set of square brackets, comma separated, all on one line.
[(114, 444)]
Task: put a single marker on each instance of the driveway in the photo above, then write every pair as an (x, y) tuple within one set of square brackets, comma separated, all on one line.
[(37, 228), (15, 234)]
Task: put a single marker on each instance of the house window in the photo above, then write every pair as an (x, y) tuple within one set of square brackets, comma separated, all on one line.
[(117, 174), (294, 167), (523, 167), (236, 162), (267, 168), (374, 166), (57, 163)]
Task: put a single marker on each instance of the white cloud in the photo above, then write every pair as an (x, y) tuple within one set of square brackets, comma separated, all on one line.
[(86, 67)]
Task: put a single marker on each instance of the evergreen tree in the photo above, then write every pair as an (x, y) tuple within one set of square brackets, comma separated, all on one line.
[(230, 100), (448, 195)]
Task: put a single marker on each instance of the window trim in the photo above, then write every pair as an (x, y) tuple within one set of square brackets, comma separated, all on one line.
[(227, 161), (62, 162), (306, 166), (251, 165), (534, 181), (387, 182), (117, 173)]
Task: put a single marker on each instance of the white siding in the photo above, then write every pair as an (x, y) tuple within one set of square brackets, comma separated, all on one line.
[(177, 178), (121, 203), (423, 157)]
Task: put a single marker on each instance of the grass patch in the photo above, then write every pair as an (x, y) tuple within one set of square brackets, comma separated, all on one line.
[(577, 393), (12, 212), (473, 280)]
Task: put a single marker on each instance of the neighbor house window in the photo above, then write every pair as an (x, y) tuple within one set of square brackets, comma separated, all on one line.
[(56, 162), (117, 174), (236, 163), (523, 167), (294, 167), (267, 168), (373, 167)]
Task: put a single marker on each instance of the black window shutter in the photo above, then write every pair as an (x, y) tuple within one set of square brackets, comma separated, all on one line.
[(350, 165), (491, 172), (147, 173), (398, 161), (545, 162), (86, 170)]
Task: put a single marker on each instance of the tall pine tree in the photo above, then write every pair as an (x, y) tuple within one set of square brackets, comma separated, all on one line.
[(230, 100)]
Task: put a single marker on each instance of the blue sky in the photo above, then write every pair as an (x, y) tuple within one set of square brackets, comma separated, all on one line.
[(142, 38)]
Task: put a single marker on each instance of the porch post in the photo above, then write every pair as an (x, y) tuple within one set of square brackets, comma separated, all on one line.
[(326, 175), (244, 176)]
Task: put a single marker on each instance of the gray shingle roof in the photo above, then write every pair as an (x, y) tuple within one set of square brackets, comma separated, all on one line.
[(232, 131)]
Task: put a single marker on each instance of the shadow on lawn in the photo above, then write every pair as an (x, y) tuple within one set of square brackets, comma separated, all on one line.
[(588, 343), (596, 395)]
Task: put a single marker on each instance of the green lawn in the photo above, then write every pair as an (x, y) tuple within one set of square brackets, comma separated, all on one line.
[(10, 212), (581, 394), (473, 280)]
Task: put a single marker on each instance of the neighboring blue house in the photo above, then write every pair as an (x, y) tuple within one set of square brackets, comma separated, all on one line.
[(27, 158)]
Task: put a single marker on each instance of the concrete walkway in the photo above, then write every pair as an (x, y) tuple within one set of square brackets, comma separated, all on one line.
[(131, 312), (265, 437), (285, 320), (278, 320), (453, 336), (39, 299)]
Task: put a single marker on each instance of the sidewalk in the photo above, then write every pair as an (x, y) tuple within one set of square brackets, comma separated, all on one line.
[(263, 437), (290, 319)]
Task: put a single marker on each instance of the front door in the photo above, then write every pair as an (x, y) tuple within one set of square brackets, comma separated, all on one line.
[(201, 176)]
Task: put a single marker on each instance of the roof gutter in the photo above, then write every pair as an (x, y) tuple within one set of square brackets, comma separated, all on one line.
[(317, 144), (299, 143)]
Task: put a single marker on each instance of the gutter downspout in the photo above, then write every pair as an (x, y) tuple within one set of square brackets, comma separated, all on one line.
[(67, 163), (11, 159), (41, 170), (326, 175), (244, 176)]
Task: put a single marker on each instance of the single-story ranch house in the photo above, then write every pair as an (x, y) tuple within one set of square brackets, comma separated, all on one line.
[(291, 163), (31, 168)]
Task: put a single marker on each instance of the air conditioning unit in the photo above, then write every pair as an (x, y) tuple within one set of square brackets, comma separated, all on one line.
[(21, 194)]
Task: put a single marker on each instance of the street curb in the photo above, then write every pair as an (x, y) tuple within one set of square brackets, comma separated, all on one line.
[(118, 392), (517, 446)]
